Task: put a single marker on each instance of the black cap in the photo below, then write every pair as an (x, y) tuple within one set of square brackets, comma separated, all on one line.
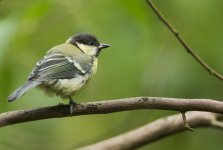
[(86, 39)]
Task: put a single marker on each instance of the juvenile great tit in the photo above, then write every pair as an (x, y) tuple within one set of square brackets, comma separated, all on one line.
[(65, 69)]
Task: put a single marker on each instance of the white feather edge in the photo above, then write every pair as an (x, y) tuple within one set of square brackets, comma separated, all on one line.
[(75, 64)]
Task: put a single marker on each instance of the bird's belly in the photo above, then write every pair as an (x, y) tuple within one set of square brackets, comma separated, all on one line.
[(67, 87)]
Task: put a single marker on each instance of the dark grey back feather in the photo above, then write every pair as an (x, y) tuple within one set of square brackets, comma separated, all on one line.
[(57, 66)]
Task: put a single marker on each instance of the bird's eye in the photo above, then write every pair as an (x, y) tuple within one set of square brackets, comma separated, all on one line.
[(91, 43)]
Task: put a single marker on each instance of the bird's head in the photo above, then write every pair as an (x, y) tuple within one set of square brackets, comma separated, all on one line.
[(87, 43)]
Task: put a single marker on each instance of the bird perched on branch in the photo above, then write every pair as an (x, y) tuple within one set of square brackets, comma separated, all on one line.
[(65, 69)]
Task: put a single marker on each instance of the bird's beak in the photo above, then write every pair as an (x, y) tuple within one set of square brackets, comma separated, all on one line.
[(102, 46)]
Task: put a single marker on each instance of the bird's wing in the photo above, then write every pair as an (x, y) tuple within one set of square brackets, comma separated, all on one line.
[(57, 66)]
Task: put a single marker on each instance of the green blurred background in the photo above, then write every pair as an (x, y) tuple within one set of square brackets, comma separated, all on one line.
[(144, 60)]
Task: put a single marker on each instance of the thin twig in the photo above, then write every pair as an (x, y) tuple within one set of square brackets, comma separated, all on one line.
[(183, 42), (155, 131), (216, 123), (110, 106), (186, 124)]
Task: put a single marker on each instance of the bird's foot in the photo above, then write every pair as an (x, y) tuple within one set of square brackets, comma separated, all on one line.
[(72, 103)]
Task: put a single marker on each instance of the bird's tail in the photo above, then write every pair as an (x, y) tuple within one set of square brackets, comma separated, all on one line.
[(22, 90)]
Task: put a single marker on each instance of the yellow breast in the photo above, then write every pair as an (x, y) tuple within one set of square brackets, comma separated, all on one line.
[(68, 87), (95, 65)]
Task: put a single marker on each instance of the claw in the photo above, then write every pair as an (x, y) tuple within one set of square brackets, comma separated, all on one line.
[(72, 103)]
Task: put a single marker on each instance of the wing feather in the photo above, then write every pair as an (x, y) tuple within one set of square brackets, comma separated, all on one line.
[(57, 66)]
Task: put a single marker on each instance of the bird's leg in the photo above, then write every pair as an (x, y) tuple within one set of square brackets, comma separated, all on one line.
[(72, 103)]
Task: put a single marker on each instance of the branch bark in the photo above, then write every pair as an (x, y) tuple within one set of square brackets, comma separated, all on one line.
[(156, 130), (183, 42), (110, 106)]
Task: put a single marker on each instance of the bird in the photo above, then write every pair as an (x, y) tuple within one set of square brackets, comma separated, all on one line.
[(65, 69)]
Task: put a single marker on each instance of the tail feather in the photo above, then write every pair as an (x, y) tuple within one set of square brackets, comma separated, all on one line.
[(22, 90)]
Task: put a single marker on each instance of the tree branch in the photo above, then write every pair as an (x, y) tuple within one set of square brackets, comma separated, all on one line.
[(183, 42), (156, 130), (110, 106)]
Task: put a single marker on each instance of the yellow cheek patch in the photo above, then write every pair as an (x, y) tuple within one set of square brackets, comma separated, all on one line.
[(90, 50)]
